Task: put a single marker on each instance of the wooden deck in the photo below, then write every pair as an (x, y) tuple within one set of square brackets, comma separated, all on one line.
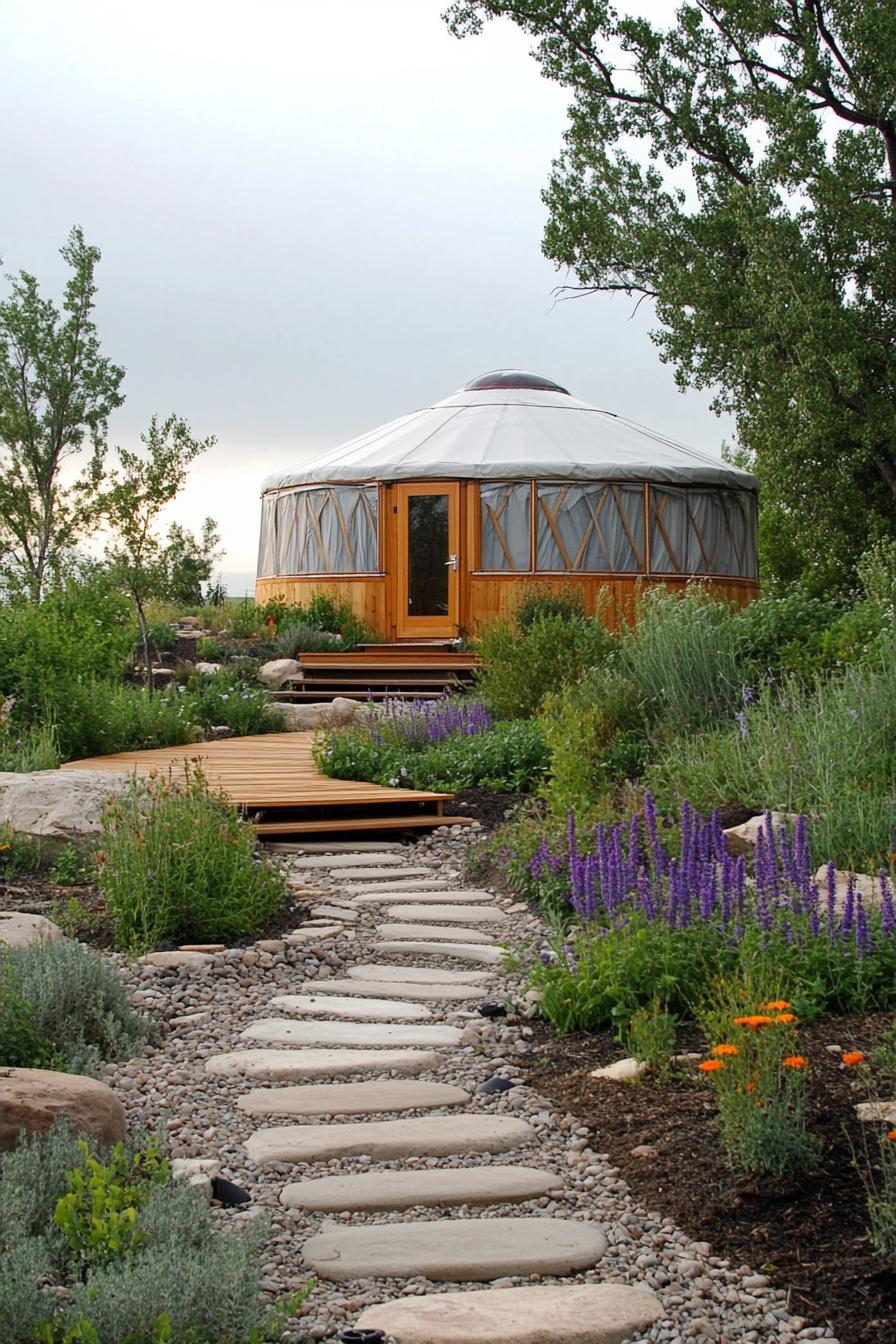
[(273, 777)]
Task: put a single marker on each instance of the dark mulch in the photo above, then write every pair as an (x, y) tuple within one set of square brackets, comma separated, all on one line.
[(81, 911), (808, 1233), (492, 808)]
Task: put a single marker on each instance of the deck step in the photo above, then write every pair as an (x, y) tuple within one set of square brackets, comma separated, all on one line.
[(349, 823)]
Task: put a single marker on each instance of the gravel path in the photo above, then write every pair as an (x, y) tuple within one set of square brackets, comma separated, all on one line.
[(702, 1297)]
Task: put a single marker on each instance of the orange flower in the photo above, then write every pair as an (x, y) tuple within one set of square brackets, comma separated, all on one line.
[(795, 1061), (892, 1135), (775, 1005), (851, 1057), (754, 1021), (725, 1049), (710, 1065), (751, 1088), (785, 1018)]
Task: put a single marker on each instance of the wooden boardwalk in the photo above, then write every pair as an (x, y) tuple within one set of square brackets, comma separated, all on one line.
[(274, 773)]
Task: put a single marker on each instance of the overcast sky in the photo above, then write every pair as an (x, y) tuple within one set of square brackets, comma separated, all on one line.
[(313, 218)]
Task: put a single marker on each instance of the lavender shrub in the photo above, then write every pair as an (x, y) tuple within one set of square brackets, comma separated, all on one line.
[(652, 923)]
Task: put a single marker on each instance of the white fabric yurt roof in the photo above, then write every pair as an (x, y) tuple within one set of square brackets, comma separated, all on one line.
[(512, 425)]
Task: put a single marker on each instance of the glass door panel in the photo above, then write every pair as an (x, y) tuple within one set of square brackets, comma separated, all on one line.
[(428, 553), (426, 567)]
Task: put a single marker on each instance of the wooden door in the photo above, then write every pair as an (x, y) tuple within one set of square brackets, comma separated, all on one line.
[(426, 569)]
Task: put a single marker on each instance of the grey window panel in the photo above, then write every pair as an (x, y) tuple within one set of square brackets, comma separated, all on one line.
[(331, 530), (703, 532), (595, 526), (504, 513)]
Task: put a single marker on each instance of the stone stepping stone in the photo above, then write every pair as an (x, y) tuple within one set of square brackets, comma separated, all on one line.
[(434, 931), (351, 1098), (423, 975), (282, 1031), (421, 897), (374, 874), (331, 1005), (326, 861), (333, 912), (376, 1191), (590, 1313), (291, 1066), (424, 1136), (460, 951), (460, 1249), (405, 884), (877, 1112), (317, 932), (171, 960), (449, 914), (385, 989)]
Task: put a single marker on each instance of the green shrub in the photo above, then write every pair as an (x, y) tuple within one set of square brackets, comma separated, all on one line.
[(520, 667), (73, 868), (77, 1003), (211, 649), (19, 853), (21, 1044), (225, 698), (102, 718), (138, 1258), (596, 733), (436, 745), (27, 747), (245, 620), (783, 633), (180, 863), (300, 636), (162, 637), (81, 631), (682, 655), (537, 602), (827, 749)]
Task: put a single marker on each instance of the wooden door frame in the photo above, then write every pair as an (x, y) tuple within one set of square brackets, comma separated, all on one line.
[(425, 627)]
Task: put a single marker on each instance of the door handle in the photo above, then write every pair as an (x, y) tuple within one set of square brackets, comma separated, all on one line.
[(452, 560)]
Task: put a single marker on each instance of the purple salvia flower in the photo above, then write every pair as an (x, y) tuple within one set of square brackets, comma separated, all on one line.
[(887, 912), (849, 906), (862, 934), (831, 898)]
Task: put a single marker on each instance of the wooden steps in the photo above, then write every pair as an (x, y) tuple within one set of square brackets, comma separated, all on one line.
[(391, 672), (322, 826)]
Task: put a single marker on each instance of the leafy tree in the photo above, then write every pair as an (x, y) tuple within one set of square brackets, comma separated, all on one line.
[(142, 561), (56, 394), (738, 170)]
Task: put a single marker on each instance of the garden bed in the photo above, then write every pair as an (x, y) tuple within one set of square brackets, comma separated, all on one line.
[(81, 911), (808, 1233)]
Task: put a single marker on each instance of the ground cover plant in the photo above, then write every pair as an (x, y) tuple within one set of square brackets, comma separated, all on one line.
[(178, 863), (434, 744), (102, 1246)]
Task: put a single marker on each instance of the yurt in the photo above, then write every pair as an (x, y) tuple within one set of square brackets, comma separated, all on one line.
[(436, 523)]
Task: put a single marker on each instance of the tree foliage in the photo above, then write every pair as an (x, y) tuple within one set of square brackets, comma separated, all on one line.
[(738, 170), (143, 562), (56, 394)]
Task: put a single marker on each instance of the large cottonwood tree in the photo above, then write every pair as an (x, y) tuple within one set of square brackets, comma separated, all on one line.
[(736, 166)]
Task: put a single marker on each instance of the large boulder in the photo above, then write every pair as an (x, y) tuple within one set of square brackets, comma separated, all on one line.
[(742, 839), (31, 1100), (863, 884), (57, 806), (18, 929), (278, 672), (306, 718)]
